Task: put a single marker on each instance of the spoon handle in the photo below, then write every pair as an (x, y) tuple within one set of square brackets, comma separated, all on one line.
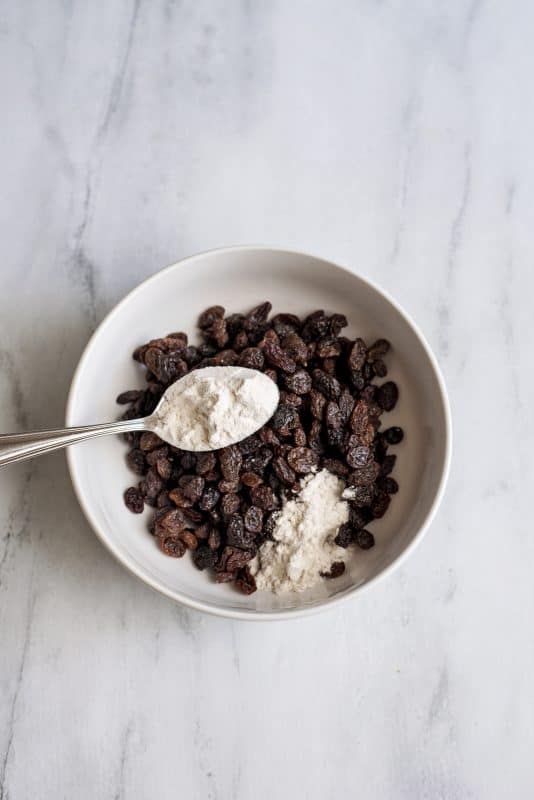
[(21, 446)]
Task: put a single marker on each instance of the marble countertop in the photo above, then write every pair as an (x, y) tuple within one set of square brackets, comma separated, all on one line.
[(393, 137)]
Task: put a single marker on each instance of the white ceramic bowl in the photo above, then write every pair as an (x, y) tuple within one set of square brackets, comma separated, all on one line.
[(239, 278)]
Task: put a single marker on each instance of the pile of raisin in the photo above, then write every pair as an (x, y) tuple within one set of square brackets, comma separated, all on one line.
[(222, 505)]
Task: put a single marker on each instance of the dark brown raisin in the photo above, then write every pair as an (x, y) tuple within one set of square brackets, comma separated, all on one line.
[(136, 461), (203, 531), (316, 326), (232, 559), (336, 467), (269, 437), (359, 517), (358, 456), (295, 347), (326, 384), (364, 539), (378, 349), (387, 395), (236, 534), (214, 539), (389, 485), (133, 500), (393, 435), (204, 557), (245, 581), (252, 358), (299, 383), (336, 323), (359, 419), (240, 342), (314, 436), (179, 498), (278, 357), (364, 476), (380, 504), (264, 498), (303, 460), (208, 317), (299, 437), (345, 535), (129, 397), (151, 486), (283, 471), (379, 368), (217, 332), (189, 539), (328, 348), (149, 441), (388, 465), (209, 499), (346, 404), (172, 545), (228, 487), (250, 444), (230, 460), (357, 355), (336, 569), (317, 404), (164, 468), (257, 316), (285, 324), (362, 496), (234, 323), (254, 519), (205, 463), (251, 479), (333, 415), (284, 418), (230, 504), (256, 462), (192, 486), (226, 358)]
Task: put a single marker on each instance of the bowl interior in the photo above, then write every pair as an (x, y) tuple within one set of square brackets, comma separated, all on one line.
[(238, 279)]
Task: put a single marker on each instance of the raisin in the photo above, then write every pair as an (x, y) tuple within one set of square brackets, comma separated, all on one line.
[(291, 399), (245, 581), (333, 415), (326, 384), (394, 435), (359, 517), (359, 419), (317, 403), (328, 348), (303, 460), (336, 323), (206, 462), (203, 531), (284, 418), (179, 498), (236, 535), (254, 519), (283, 471), (389, 485), (234, 324), (217, 332), (151, 486), (252, 358), (251, 479), (357, 355), (357, 379), (380, 504), (362, 496), (264, 498), (379, 368), (228, 487), (299, 437), (358, 455), (336, 569), (240, 342), (364, 539), (364, 476), (285, 324), (387, 395), (230, 460), (257, 316), (232, 559), (172, 545), (133, 500), (256, 462), (269, 437), (166, 367), (388, 465), (204, 557), (278, 357), (136, 461), (314, 436), (336, 467), (149, 441), (208, 317), (345, 535), (346, 404), (226, 358), (192, 486), (316, 326), (164, 468), (230, 504), (214, 539), (129, 397), (299, 383), (250, 444), (189, 539), (378, 349), (295, 347)]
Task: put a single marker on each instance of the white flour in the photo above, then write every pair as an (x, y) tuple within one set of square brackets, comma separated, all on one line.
[(214, 407), (304, 536)]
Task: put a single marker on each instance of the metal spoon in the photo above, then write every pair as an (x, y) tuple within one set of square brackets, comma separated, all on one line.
[(21, 446)]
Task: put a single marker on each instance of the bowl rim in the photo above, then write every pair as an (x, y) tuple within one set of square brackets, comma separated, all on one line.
[(260, 615)]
